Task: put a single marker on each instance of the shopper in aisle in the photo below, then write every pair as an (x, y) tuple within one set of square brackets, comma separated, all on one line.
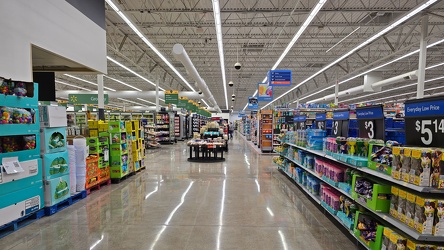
[(230, 130)]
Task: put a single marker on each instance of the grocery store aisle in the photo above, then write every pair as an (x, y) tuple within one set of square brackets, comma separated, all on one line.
[(243, 203)]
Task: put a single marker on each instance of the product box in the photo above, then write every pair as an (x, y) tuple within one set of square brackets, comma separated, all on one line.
[(411, 245), (92, 124), (378, 195), (104, 174), (406, 164), (398, 241), (56, 190), (55, 165), (53, 140), (93, 132), (397, 162), (368, 231), (26, 201), (52, 116), (421, 164), (116, 126), (394, 202), (15, 178), (439, 219), (380, 158), (386, 243), (410, 210), (402, 202), (425, 215), (24, 147), (437, 171)]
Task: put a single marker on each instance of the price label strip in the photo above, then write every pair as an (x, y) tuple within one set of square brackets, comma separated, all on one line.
[(371, 122), (340, 123), (425, 120), (300, 121), (320, 120)]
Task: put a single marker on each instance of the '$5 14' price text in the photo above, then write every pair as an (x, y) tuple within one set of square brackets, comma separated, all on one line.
[(427, 128)]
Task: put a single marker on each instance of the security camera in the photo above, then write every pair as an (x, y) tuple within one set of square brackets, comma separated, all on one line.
[(231, 107), (233, 96), (231, 83), (198, 102), (200, 92), (232, 99), (237, 66)]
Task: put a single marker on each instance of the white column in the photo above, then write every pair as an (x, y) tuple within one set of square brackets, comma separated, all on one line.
[(422, 57), (157, 94), (101, 97), (336, 89)]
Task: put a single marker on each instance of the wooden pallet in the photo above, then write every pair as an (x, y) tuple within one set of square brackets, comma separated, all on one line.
[(64, 204), (98, 186), (20, 223)]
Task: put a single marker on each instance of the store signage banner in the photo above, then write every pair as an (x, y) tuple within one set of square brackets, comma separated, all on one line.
[(182, 103), (320, 120), (241, 114), (265, 92), (78, 108), (190, 105), (341, 115), (253, 103), (300, 121), (424, 119), (171, 97), (281, 78), (371, 122), (371, 112), (340, 123), (86, 98)]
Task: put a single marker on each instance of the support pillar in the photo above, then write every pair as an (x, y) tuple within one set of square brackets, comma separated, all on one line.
[(422, 57), (101, 97)]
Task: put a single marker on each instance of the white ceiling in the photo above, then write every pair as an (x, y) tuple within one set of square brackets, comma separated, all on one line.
[(255, 33)]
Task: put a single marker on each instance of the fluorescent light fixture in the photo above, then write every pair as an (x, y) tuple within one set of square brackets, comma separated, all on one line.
[(436, 65), (147, 42), (360, 46), (126, 84), (340, 41), (205, 103), (143, 100), (83, 80), (301, 30), (72, 85), (220, 45)]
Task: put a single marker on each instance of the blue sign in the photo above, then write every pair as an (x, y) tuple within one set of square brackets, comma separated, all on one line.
[(341, 115), (321, 117), (371, 112), (279, 77), (301, 118), (253, 102), (416, 108), (265, 92), (241, 114)]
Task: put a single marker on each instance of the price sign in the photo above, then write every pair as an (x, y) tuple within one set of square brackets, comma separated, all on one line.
[(300, 121), (340, 123), (425, 118), (371, 122), (320, 120)]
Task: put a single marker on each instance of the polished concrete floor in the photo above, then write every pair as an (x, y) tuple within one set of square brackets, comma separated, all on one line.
[(242, 203)]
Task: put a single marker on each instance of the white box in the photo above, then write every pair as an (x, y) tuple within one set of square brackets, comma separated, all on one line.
[(52, 116)]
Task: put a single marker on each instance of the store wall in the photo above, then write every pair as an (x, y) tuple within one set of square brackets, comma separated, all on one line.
[(54, 25), (234, 117), (223, 115)]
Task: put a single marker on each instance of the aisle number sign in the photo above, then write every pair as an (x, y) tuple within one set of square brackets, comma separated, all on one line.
[(279, 78), (182, 102), (86, 98), (320, 120), (340, 123), (171, 96), (371, 122), (425, 120), (300, 121)]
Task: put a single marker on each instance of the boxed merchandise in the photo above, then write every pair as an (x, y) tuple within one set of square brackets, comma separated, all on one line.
[(381, 156), (116, 126), (394, 202), (14, 205), (406, 164), (55, 165), (376, 196), (397, 162), (24, 147), (421, 163), (397, 241), (386, 243), (14, 178), (53, 140), (411, 245), (437, 171), (56, 190), (368, 230), (52, 116), (410, 210), (439, 219), (402, 202), (424, 215)]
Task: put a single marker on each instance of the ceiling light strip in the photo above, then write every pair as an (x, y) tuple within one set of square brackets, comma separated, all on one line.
[(360, 46), (340, 41), (220, 46), (83, 80), (72, 85), (123, 83), (147, 42), (126, 100)]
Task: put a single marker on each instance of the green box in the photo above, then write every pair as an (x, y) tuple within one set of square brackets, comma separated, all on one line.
[(116, 126), (377, 202), (55, 165), (357, 161), (56, 190), (379, 158), (373, 245)]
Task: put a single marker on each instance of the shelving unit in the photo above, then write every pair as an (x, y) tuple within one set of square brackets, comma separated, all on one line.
[(163, 128), (266, 130), (119, 149), (253, 133), (402, 227)]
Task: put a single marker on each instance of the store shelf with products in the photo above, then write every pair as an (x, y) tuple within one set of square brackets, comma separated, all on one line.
[(254, 129), (266, 131), (288, 151), (165, 133), (118, 150), (151, 136)]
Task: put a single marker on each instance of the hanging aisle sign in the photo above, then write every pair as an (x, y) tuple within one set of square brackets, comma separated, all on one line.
[(253, 103), (86, 98), (320, 120), (279, 78), (340, 123), (300, 121), (265, 92), (425, 118), (182, 102), (171, 97), (371, 122)]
